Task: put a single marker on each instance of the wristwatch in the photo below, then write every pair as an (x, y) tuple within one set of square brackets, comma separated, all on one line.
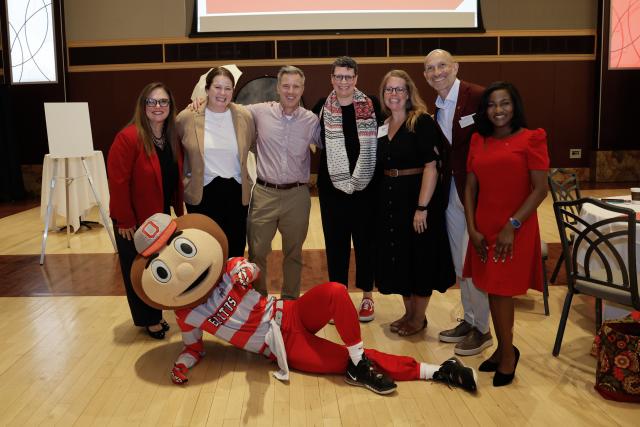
[(515, 222), (421, 208)]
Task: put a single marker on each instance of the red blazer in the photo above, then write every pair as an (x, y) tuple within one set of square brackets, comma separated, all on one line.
[(455, 155), (135, 181)]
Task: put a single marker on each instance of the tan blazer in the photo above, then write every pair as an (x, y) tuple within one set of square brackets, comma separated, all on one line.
[(190, 126)]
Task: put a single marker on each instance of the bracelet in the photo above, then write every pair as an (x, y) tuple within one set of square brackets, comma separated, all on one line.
[(421, 208)]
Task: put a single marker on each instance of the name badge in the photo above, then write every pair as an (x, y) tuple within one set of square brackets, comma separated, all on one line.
[(466, 120), (383, 130)]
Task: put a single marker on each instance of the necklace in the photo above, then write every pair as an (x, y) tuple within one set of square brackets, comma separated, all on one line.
[(158, 142)]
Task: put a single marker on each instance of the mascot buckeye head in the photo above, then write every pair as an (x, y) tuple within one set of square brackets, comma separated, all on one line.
[(180, 260)]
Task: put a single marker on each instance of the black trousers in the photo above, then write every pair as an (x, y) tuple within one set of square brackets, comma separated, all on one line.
[(142, 314), (222, 202), (346, 217)]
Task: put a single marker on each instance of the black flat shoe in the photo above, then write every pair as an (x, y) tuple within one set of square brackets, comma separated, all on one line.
[(165, 325), (158, 335), (500, 379), (488, 366)]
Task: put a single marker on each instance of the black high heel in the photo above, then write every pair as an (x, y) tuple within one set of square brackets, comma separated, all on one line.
[(165, 325), (500, 379), (488, 366)]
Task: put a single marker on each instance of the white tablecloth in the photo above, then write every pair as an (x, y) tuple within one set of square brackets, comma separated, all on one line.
[(81, 198), (591, 214)]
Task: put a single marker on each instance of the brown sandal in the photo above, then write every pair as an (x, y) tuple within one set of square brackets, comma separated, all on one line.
[(404, 332), (396, 325)]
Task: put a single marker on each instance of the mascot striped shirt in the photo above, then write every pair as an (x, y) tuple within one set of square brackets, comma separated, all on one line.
[(234, 312)]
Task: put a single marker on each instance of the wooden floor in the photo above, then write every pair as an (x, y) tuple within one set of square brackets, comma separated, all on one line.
[(76, 360), (22, 231)]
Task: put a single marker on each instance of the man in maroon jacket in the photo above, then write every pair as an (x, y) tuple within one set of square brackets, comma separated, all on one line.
[(456, 104)]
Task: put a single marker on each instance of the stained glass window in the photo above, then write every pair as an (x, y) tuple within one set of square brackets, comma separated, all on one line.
[(31, 41)]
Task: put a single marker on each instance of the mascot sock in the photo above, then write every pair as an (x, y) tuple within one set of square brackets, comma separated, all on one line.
[(355, 352), (427, 370)]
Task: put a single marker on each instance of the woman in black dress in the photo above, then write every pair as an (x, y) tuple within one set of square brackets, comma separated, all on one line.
[(412, 257)]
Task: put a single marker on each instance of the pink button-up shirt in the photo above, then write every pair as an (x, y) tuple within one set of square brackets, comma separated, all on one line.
[(282, 144)]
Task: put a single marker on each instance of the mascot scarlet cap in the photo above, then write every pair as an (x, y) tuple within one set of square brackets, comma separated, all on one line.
[(180, 260)]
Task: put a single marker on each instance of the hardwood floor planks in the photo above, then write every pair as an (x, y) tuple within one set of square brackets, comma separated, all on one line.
[(69, 354)]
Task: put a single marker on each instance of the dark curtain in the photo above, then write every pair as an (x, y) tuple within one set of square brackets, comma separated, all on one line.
[(11, 185)]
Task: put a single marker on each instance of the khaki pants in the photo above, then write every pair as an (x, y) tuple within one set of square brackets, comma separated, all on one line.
[(288, 212)]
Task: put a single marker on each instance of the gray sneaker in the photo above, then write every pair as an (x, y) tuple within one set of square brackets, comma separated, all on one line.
[(456, 334), (473, 343)]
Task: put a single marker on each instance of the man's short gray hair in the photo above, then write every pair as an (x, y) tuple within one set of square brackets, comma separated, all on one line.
[(290, 69)]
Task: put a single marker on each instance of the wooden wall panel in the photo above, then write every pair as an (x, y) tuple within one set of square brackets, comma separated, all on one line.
[(558, 96), (574, 114), (527, 45), (404, 46), (128, 54)]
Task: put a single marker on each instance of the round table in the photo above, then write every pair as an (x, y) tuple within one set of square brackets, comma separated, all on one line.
[(592, 214)]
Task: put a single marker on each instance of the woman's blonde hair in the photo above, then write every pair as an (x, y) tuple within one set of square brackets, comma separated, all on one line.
[(415, 106), (141, 121)]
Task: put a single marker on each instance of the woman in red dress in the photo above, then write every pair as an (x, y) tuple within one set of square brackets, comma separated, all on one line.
[(506, 182)]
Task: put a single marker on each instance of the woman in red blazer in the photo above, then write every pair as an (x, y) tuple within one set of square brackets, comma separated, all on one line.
[(144, 168)]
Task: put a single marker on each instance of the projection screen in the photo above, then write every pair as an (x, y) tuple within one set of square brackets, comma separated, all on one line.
[(255, 16)]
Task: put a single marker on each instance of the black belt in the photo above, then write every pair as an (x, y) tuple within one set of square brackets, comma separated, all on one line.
[(279, 186), (394, 173)]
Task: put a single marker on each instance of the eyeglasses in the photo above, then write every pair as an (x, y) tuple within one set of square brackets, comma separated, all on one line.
[(340, 77), (399, 90), (150, 102)]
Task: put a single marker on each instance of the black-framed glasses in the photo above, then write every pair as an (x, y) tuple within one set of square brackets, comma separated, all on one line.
[(345, 77), (399, 90), (163, 102)]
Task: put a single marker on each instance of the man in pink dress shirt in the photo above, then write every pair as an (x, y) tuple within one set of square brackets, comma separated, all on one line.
[(280, 199)]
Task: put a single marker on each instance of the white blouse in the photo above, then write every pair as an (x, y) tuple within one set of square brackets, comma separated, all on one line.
[(220, 147)]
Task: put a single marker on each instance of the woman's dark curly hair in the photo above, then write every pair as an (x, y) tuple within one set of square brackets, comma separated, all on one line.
[(484, 125)]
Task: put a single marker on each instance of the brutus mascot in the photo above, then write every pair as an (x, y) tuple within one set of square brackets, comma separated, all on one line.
[(182, 265)]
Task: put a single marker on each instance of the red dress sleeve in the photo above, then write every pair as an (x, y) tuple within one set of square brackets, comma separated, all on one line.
[(537, 153)]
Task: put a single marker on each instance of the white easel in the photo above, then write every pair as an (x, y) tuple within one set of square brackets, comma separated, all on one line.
[(69, 134)]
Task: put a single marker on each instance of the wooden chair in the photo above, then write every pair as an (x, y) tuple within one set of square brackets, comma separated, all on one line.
[(563, 184), (594, 265)]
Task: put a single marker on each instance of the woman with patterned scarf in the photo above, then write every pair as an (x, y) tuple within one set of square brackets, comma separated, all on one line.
[(349, 121)]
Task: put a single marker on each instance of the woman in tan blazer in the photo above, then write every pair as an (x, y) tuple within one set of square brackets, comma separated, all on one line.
[(216, 139)]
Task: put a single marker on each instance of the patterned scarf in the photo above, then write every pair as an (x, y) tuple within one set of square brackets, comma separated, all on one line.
[(337, 160)]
